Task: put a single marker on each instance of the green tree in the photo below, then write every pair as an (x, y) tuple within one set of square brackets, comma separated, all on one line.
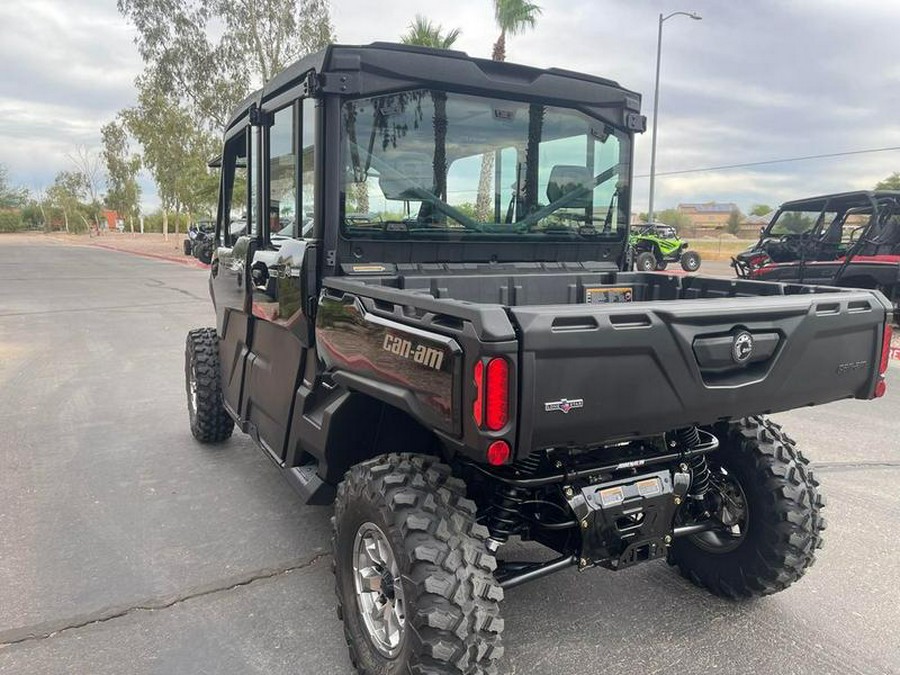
[(512, 17), (892, 182), (673, 217), (66, 194), (424, 33), (123, 193), (174, 150), (11, 197), (208, 53), (733, 224), (760, 210)]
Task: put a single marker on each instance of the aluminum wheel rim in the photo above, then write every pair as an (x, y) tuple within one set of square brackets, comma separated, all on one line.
[(379, 589)]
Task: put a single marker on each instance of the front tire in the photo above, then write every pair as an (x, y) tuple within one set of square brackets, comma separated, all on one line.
[(690, 261), (781, 525), (645, 262), (187, 246), (210, 422), (413, 575)]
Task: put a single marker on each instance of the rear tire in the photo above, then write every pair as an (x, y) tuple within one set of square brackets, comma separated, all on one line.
[(690, 261), (783, 523), (210, 422), (436, 557), (203, 253), (645, 262)]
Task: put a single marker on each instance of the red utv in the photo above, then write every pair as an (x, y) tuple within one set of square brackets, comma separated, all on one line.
[(850, 239)]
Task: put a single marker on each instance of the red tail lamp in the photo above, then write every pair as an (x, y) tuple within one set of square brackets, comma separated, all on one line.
[(497, 396), (881, 385), (498, 453), (886, 349), (491, 406)]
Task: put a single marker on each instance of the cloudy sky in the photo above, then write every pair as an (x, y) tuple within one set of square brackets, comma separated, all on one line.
[(753, 81)]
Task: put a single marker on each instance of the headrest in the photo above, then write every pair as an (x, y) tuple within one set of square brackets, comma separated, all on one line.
[(565, 178), (404, 170)]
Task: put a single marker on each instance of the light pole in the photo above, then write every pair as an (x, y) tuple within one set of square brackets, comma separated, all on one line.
[(662, 19)]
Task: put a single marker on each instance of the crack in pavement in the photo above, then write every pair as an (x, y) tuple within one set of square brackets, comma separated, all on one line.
[(49, 629), (833, 467)]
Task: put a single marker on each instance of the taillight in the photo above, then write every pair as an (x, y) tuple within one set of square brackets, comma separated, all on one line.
[(497, 394), (886, 349), (491, 406), (498, 453), (881, 384)]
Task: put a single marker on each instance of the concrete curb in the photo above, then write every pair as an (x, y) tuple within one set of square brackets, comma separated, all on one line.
[(189, 262)]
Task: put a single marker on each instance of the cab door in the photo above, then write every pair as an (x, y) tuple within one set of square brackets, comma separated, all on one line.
[(229, 270), (282, 275)]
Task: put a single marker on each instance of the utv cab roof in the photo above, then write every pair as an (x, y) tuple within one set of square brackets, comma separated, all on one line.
[(840, 200), (383, 67)]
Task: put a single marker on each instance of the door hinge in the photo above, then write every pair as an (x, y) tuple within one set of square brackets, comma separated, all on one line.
[(331, 258)]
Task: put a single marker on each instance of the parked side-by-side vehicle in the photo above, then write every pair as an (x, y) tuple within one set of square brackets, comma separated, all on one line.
[(850, 239), (452, 376)]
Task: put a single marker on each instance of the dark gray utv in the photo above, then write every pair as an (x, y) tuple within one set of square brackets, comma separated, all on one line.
[(422, 317)]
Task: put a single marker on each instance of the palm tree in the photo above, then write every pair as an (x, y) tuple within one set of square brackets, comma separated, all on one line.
[(513, 17), (423, 33)]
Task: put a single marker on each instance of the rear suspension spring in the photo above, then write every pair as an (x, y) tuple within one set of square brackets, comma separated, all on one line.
[(689, 438), (505, 512)]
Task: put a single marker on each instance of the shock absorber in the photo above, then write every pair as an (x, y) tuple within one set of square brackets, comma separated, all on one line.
[(506, 502), (689, 438), (505, 512)]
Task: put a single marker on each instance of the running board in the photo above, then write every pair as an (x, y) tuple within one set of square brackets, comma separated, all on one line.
[(306, 481)]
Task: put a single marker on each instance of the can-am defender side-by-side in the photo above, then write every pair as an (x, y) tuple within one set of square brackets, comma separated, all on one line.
[(655, 245), (454, 354), (850, 239)]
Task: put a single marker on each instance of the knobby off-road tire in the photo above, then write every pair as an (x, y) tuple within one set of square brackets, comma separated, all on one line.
[(210, 423), (690, 261), (450, 597), (645, 262), (784, 516)]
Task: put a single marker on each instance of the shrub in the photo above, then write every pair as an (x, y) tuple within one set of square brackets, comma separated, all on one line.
[(11, 221)]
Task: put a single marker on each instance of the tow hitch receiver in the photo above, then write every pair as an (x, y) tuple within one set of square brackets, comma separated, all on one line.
[(627, 521)]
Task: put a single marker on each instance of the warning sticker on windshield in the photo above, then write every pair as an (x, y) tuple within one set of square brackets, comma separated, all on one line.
[(606, 294)]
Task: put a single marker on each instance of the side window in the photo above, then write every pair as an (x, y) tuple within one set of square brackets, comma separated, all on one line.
[(283, 174), (253, 173), (307, 168), (233, 221)]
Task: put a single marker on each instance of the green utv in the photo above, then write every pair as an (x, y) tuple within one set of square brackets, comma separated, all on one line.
[(452, 381), (655, 245)]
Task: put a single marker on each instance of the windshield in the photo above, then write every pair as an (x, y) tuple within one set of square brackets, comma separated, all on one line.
[(800, 221), (432, 164)]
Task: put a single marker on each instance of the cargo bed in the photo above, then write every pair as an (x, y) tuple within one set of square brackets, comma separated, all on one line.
[(602, 356)]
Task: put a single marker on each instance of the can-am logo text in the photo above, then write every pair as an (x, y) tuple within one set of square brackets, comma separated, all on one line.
[(427, 356)]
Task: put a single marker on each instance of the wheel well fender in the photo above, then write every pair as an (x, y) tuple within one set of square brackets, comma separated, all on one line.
[(363, 427)]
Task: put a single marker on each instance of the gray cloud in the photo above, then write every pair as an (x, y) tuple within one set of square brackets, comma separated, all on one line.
[(752, 81)]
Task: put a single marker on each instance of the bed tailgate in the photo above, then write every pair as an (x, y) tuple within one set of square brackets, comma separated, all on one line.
[(594, 373)]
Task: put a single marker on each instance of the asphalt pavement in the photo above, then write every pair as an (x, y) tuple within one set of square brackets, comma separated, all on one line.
[(126, 547)]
